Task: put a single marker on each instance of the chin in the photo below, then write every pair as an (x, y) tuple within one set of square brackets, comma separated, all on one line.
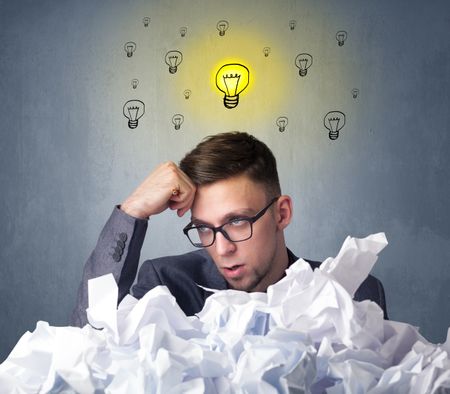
[(248, 287)]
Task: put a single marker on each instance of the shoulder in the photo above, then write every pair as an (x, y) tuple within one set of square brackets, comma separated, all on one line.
[(182, 274), (196, 266), (370, 289), (184, 262)]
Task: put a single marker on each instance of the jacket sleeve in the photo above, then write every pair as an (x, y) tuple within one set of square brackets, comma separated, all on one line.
[(117, 252)]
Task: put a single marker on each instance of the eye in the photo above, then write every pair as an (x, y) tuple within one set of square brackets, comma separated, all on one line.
[(202, 229), (237, 222)]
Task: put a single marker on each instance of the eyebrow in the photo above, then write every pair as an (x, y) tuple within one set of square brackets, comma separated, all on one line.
[(231, 215)]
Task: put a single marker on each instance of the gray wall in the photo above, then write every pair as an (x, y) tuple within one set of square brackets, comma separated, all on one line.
[(67, 155)]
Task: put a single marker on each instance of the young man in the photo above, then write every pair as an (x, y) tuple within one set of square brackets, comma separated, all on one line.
[(230, 184)]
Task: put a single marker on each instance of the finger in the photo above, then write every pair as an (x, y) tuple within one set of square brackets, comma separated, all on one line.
[(182, 211), (176, 191), (182, 204)]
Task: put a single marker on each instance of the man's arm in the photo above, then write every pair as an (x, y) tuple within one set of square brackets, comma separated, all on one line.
[(117, 252), (119, 245)]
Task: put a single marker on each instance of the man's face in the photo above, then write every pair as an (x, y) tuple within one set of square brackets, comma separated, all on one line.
[(250, 265)]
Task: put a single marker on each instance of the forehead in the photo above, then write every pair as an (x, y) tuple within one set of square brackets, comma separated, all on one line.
[(233, 195)]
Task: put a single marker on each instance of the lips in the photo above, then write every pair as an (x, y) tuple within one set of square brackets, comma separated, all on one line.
[(233, 271)]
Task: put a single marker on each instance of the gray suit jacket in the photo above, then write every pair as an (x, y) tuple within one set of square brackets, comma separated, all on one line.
[(118, 251)]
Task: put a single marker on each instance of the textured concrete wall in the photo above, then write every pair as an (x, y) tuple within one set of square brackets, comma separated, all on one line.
[(67, 155)]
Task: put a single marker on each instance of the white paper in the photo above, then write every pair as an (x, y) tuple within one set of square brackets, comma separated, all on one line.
[(355, 260), (306, 334)]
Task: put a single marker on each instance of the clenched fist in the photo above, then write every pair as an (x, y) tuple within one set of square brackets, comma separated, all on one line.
[(166, 187)]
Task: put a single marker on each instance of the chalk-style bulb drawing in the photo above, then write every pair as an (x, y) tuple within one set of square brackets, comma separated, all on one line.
[(173, 60), (134, 83), (183, 31), (282, 122), (222, 26), (355, 92), (292, 24), (232, 79), (177, 121), (146, 21), (187, 94), (303, 61), (266, 51), (341, 36), (133, 110), (129, 47), (334, 121)]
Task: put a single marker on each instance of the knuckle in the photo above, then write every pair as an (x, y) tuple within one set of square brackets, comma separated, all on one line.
[(171, 168)]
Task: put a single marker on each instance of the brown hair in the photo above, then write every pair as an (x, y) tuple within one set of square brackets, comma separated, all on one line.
[(222, 156)]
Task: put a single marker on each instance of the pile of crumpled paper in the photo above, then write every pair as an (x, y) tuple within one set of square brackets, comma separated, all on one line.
[(305, 335)]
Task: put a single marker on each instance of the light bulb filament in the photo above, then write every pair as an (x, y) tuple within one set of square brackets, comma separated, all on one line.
[(334, 123), (231, 82), (133, 112), (173, 60), (303, 63)]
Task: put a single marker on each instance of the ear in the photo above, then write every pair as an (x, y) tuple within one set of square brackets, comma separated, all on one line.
[(284, 211)]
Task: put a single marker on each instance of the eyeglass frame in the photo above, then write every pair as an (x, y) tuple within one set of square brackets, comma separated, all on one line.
[(220, 229)]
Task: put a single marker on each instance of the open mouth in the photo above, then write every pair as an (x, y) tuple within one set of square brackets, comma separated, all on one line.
[(234, 267), (233, 271)]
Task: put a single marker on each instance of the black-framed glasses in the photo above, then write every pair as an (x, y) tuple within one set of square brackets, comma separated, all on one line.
[(235, 230)]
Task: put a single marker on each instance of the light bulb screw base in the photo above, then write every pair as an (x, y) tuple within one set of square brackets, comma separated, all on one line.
[(132, 124), (333, 135), (173, 69), (231, 101), (302, 72)]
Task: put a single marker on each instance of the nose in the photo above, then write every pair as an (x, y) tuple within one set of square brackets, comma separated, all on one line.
[(223, 246)]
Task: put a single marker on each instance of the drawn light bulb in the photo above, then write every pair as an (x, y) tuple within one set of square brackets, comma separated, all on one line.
[(232, 79), (173, 60), (146, 21), (222, 26), (341, 36), (183, 31), (133, 110), (355, 93), (177, 121), (292, 24), (187, 94), (282, 122), (303, 61), (130, 47), (134, 83), (266, 51), (334, 121)]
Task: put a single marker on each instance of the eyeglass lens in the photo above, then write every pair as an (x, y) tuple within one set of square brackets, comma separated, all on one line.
[(235, 231)]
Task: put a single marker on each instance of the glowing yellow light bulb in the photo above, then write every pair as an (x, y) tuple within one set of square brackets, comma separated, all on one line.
[(232, 79)]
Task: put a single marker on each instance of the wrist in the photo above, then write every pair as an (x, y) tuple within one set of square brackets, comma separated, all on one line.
[(132, 210)]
